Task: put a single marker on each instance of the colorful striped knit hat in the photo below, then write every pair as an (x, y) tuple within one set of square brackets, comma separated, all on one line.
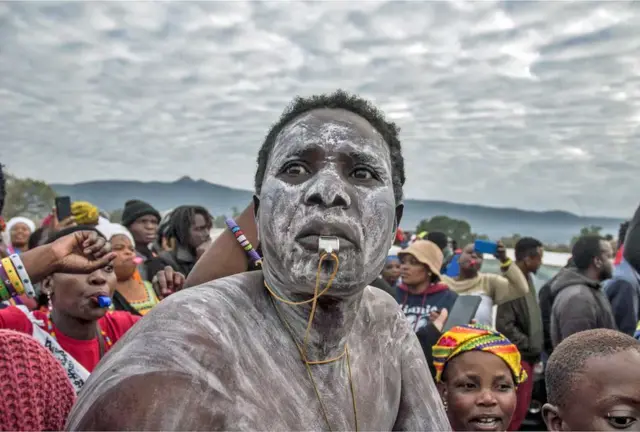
[(475, 337)]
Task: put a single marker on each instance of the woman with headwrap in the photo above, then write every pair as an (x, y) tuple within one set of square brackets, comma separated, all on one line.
[(132, 293), (19, 229), (477, 371)]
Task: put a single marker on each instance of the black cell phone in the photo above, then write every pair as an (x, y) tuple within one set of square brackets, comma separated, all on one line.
[(63, 207), (462, 312)]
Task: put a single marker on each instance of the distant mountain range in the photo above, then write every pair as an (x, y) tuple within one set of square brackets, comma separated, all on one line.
[(549, 226)]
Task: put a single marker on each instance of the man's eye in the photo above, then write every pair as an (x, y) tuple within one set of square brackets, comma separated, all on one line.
[(620, 421), (363, 174), (295, 169)]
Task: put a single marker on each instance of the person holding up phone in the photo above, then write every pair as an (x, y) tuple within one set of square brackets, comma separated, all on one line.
[(494, 289)]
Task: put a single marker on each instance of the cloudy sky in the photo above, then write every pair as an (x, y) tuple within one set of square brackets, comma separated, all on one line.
[(527, 104)]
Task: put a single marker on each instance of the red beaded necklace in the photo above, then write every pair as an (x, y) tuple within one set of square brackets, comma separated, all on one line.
[(53, 333)]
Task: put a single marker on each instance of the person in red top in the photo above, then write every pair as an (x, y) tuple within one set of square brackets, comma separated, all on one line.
[(77, 330)]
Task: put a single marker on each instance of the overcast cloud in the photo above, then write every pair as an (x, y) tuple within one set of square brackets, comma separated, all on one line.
[(527, 104)]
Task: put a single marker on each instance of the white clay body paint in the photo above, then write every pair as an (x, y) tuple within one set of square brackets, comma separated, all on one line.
[(218, 357)]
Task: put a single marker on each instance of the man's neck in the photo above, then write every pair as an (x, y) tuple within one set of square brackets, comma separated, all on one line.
[(73, 327), (592, 274), (523, 269), (332, 322)]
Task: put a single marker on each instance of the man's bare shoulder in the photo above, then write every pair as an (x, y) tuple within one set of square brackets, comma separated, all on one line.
[(382, 311), (185, 345)]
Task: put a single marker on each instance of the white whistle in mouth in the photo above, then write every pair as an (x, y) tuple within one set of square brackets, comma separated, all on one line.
[(328, 245)]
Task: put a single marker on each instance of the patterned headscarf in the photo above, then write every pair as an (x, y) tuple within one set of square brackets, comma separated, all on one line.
[(85, 213), (475, 337)]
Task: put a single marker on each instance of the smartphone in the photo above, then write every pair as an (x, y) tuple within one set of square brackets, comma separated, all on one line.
[(462, 312), (63, 207), (485, 247)]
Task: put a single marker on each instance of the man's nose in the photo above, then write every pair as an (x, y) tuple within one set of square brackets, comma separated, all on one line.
[(328, 190)]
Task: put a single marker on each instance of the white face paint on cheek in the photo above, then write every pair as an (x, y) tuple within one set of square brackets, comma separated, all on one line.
[(378, 210), (284, 211)]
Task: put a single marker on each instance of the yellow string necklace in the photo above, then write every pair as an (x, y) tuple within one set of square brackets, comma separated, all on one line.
[(303, 350)]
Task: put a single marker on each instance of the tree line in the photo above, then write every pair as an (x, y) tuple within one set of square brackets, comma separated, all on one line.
[(35, 199), (460, 231)]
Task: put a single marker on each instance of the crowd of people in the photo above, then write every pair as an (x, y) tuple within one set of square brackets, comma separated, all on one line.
[(312, 311)]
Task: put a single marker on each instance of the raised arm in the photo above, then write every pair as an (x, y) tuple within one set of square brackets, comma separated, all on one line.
[(509, 286), (225, 257)]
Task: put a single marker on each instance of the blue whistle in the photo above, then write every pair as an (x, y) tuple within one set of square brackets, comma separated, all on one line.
[(104, 301)]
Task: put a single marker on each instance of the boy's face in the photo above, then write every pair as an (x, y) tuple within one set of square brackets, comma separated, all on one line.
[(606, 398)]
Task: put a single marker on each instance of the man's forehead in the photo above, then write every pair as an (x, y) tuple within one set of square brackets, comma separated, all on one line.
[(328, 127)]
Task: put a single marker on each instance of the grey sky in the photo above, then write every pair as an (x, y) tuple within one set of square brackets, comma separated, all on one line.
[(526, 104)]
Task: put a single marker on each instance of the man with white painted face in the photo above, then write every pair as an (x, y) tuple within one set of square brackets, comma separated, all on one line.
[(264, 350)]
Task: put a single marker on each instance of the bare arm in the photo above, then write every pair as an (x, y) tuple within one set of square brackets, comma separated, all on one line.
[(168, 372), (39, 262), (153, 401), (225, 257), (420, 403), (79, 252)]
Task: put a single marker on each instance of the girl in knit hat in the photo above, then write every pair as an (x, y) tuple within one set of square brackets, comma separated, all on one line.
[(36, 394), (477, 373), (78, 329)]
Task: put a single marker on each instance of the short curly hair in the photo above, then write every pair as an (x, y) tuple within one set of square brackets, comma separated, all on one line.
[(585, 250), (566, 364), (338, 100)]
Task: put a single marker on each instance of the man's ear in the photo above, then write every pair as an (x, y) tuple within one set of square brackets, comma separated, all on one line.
[(551, 416), (256, 206)]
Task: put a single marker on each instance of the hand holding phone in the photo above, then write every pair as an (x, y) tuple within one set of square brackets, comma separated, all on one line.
[(462, 312), (63, 207), (485, 247)]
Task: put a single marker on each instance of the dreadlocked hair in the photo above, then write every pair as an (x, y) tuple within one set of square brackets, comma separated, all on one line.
[(338, 100), (181, 220)]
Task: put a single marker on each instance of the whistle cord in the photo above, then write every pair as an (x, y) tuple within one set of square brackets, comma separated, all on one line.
[(302, 350)]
